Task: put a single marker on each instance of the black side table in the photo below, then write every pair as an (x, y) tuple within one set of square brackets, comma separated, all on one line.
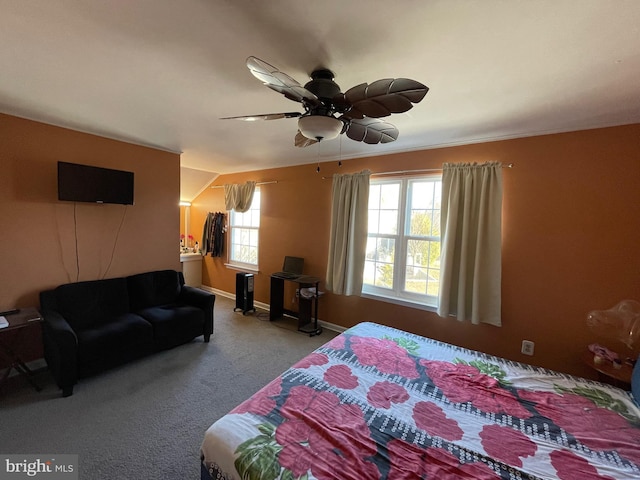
[(18, 322)]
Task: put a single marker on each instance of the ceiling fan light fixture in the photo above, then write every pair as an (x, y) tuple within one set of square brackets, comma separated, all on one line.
[(320, 127)]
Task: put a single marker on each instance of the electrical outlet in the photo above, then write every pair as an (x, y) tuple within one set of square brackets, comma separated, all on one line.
[(527, 347)]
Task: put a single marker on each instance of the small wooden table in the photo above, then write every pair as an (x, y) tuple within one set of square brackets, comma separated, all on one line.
[(618, 377), (18, 321)]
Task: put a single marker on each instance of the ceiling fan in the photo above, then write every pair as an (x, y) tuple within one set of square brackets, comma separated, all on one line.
[(328, 112)]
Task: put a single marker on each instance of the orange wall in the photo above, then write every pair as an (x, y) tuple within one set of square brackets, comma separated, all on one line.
[(37, 242), (571, 234)]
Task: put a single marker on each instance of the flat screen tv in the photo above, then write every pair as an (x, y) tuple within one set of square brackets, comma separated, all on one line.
[(84, 183)]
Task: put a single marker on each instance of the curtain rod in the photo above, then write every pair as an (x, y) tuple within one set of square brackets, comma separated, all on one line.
[(402, 172), (257, 183)]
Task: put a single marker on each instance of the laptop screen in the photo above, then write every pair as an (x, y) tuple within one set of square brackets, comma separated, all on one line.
[(293, 265)]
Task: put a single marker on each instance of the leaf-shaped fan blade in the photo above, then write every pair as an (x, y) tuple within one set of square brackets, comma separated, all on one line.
[(371, 130), (264, 116), (302, 141), (382, 97), (280, 81)]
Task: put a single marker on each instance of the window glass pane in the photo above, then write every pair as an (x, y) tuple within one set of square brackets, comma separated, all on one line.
[(244, 233), (384, 265), (388, 222), (379, 269), (422, 195), (383, 208), (374, 196), (374, 221), (433, 282), (250, 218), (421, 223), (403, 245), (416, 272), (437, 195), (235, 236), (435, 223), (369, 272), (422, 272), (389, 196), (371, 248)]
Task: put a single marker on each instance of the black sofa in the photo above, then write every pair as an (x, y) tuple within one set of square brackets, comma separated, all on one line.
[(96, 325)]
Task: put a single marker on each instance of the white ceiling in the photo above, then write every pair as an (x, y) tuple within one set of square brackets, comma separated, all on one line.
[(163, 72)]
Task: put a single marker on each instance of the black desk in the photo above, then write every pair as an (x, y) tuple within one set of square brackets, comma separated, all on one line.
[(307, 313)]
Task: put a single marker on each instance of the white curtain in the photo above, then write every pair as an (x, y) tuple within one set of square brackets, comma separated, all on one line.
[(348, 237), (239, 197), (471, 230)]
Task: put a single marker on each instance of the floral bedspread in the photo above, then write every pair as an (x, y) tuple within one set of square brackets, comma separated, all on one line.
[(376, 402)]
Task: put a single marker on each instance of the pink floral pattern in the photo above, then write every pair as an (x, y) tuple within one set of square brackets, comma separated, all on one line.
[(465, 383), (506, 444), (597, 428), (409, 462), (325, 436), (386, 355), (364, 406), (430, 417), (263, 401), (311, 360), (340, 376), (337, 343), (383, 394), (571, 467)]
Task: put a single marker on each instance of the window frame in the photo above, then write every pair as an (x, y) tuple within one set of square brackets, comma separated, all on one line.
[(236, 264), (397, 293)]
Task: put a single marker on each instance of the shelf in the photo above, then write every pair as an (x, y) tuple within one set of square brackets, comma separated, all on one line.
[(620, 377)]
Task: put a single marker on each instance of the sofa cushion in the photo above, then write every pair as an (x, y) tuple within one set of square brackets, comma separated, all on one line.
[(85, 304), (123, 338), (153, 288), (174, 324)]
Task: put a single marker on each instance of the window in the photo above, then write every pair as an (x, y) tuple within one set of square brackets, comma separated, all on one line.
[(244, 229), (403, 247)]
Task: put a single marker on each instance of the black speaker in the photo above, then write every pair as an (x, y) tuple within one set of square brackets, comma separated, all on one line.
[(244, 292)]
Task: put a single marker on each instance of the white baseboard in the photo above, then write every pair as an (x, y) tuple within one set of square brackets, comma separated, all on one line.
[(264, 306)]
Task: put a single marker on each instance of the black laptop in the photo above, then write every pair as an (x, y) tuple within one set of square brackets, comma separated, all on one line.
[(292, 268)]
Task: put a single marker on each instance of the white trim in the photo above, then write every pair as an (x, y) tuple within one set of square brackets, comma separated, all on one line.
[(244, 267), (400, 301), (264, 306)]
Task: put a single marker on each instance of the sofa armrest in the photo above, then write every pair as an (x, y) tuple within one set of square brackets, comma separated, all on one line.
[(60, 344), (203, 300)]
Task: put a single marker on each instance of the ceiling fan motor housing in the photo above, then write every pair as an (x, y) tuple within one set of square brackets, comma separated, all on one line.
[(360, 107), (323, 87)]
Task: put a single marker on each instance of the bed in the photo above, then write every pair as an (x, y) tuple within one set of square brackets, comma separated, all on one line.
[(377, 402)]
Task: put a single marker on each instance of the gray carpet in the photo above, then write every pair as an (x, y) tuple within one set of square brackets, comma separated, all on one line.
[(147, 419)]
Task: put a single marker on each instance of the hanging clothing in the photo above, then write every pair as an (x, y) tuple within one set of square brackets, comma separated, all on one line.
[(219, 230), (213, 234)]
